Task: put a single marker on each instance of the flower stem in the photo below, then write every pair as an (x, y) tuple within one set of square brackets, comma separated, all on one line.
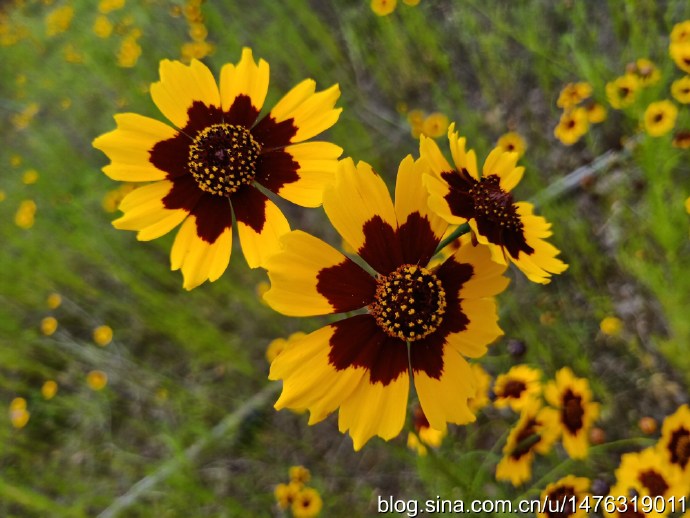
[(461, 230)]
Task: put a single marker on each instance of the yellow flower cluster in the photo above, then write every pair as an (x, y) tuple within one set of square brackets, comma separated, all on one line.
[(19, 415), (579, 111), (130, 50), (59, 20), (433, 125), (198, 47), (25, 216), (302, 501)]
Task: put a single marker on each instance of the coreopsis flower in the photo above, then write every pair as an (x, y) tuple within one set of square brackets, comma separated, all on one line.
[(420, 321), (681, 32), (435, 125), (299, 474), (96, 380), (650, 474), (595, 111), (49, 325), (517, 387), (59, 20), (102, 335), (424, 435), (680, 54), (622, 91), (674, 443), (54, 300), (660, 118), (509, 228), (645, 70), (681, 139), (307, 503), (575, 411), (208, 168), (535, 432), (285, 494), (572, 125), (611, 326), (563, 498), (416, 120), (573, 94), (680, 90), (383, 7), (19, 415), (512, 142), (102, 26), (49, 389)]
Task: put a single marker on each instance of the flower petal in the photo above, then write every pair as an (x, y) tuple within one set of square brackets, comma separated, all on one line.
[(180, 86), (129, 147), (309, 277), (247, 78)]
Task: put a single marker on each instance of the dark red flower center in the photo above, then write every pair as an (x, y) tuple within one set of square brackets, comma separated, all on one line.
[(409, 303), (654, 482), (680, 447), (561, 502), (526, 439), (572, 412), (514, 389), (222, 158), (494, 203)]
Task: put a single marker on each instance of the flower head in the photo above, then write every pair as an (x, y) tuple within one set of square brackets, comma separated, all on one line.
[(19, 415), (573, 94), (207, 169), (622, 91), (307, 503), (563, 498), (681, 32), (383, 7), (572, 125), (416, 316), (660, 118), (512, 142), (680, 54), (510, 229), (517, 387), (611, 326), (49, 389), (576, 412), (674, 443), (645, 70), (96, 380), (596, 112), (680, 90), (49, 325), (102, 335)]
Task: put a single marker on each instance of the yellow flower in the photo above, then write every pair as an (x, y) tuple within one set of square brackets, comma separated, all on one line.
[(575, 413), (198, 31), (299, 474), (195, 50), (680, 89), (660, 118), (563, 498), (30, 176), (49, 389), (512, 142), (611, 326), (510, 229), (191, 162), (59, 20), (106, 6), (681, 32), (425, 435), (102, 26), (674, 443), (622, 91), (482, 381), (54, 300), (307, 503), (49, 325), (96, 380), (128, 53), (416, 120), (383, 7), (517, 387), (278, 345), (535, 432), (103, 335), (596, 112), (572, 125), (19, 415), (285, 494), (573, 94), (24, 217), (411, 2), (680, 53), (645, 70), (435, 125)]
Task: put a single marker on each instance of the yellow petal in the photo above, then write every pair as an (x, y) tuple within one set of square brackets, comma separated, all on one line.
[(247, 78), (258, 246)]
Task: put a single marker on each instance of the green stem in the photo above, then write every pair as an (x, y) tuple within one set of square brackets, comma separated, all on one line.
[(461, 230)]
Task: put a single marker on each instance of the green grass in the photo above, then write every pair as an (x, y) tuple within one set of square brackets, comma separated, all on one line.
[(182, 361)]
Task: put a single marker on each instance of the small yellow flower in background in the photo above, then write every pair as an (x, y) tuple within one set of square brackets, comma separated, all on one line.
[(285, 494), (572, 126), (575, 413), (72, 54), (512, 142), (383, 7), (517, 387), (611, 326), (22, 119), (425, 435), (680, 90), (25, 215), (261, 288), (482, 382), (307, 503), (49, 389), (111, 200), (59, 20), (681, 32), (96, 380), (645, 70), (622, 91), (106, 6), (192, 12), (416, 120), (102, 27), (660, 118), (411, 2), (196, 50), (49, 325), (278, 345), (435, 125), (19, 415), (103, 335), (596, 112), (674, 443), (564, 497), (54, 300), (128, 53), (681, 140), (299, 474), (198, 31), (573, 94), (680, 53), (30, 176)]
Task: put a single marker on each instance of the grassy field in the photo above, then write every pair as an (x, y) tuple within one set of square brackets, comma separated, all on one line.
[(176, 415)]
